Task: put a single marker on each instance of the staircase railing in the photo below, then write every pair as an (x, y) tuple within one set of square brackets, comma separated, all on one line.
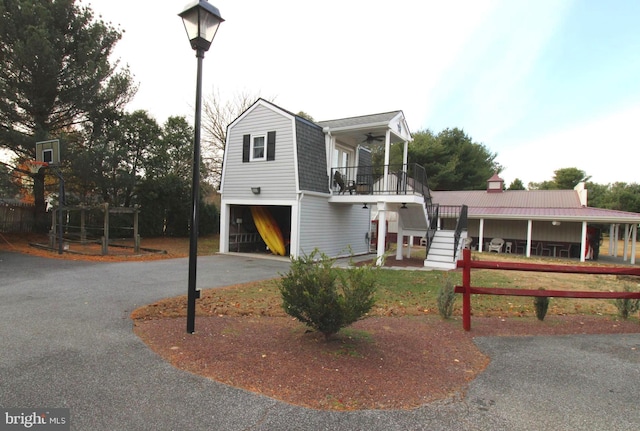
[(432, 212), (461, 226)]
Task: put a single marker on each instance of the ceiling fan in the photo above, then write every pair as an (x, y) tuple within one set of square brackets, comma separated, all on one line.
[(371, 138)]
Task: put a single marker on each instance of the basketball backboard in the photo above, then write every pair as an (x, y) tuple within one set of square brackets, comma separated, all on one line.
[(48, 151)]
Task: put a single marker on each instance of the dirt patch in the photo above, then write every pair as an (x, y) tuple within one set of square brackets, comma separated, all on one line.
[(377, 363)]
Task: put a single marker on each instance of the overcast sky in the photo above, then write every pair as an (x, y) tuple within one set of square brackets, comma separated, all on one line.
[(546, 84)]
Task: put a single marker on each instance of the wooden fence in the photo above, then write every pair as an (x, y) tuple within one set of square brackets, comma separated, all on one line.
[(467, 290), (16, 217)]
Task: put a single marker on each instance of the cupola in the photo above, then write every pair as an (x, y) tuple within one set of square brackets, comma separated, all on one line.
[(495, 184)]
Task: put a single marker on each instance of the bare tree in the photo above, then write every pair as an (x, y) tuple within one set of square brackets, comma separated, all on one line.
[(217, 115)]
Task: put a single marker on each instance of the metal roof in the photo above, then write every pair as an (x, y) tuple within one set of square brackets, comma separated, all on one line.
[(510, 198), (531, 204)]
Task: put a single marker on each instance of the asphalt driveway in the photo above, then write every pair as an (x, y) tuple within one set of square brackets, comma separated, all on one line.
[(66, 341)]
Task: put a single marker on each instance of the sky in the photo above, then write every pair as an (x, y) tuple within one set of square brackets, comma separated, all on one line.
[(545, 84)]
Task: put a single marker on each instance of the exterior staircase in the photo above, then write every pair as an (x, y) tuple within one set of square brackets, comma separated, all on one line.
[(441, 253)]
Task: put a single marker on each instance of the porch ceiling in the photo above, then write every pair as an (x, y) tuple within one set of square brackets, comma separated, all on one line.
[(355, 137), (355, 130)]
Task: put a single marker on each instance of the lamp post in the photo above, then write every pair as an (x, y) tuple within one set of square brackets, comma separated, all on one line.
[(201, 21)]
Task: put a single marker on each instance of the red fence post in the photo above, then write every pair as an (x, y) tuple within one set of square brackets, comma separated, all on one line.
[(466, 285)]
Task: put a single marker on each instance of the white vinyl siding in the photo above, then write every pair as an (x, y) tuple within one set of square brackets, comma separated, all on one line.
[(333, 228), (276, 178)]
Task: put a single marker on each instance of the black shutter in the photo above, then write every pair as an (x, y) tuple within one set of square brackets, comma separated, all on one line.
[(271, 146), (246, 148)]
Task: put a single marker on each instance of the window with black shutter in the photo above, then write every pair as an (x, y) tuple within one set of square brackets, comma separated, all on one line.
[(258, 147)]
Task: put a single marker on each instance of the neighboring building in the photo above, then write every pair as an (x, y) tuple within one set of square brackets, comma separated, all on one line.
[(537, 222)]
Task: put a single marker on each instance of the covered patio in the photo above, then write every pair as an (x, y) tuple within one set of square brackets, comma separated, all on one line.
[(539, 222)]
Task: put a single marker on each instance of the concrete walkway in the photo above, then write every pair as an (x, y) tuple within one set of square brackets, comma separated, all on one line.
[(66, 341)]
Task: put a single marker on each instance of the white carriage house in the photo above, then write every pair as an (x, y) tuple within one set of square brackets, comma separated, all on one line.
[(318, 182)]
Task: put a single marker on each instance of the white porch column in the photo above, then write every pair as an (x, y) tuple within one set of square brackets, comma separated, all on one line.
[(529, 235), (611, 237), (399, 241), (615, 244), (387, 149), (626, 242), (294, 238), (634, 237), (382, 232), (583, 242), (481, 236), (224, 228), (405, 155), (409, 245)]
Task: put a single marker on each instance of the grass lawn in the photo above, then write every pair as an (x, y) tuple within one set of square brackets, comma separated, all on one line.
[(414, 293)]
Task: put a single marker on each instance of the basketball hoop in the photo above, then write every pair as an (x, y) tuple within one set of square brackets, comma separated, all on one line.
[(35, 166)]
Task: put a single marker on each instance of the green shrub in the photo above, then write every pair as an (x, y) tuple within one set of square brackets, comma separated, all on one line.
[(446, 298), (541, 305), (325, 298), (627, 306)]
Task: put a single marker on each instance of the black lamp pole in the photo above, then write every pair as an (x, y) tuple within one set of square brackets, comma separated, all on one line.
[(201, 21)]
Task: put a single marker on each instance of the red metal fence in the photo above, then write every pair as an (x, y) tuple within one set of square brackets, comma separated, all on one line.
[(467, 290)]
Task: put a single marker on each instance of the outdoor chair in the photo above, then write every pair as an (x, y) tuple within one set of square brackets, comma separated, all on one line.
[(545, 250), (536, 248), (467, 242), (565, 251), (496, 245), (348, 186)]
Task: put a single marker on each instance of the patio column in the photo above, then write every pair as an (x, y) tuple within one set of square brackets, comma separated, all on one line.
[(626, 242), (529, 231), (611, 239), (382, 232), (583, 242), (481, 236), (399, 241), (225, 214), (634, 236)]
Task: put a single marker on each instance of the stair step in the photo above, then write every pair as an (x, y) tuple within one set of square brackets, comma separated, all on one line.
[(439, 265)]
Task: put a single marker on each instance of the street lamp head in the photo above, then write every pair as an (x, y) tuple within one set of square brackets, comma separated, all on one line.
[(201, 21)]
